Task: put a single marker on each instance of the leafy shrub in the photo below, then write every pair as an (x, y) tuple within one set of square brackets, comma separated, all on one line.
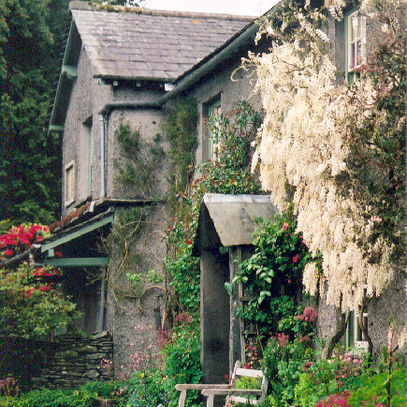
[(323, 378), (283, 363), (272, 278), (147, 389), (182, 360), (30, 307), (382, 390), (230, 173), (49, 398)]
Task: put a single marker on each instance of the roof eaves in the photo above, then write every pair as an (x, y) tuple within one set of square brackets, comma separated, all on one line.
[(65, 82)]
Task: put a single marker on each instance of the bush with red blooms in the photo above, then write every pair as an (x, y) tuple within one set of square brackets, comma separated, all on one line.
[(31, 303), (20, 238)]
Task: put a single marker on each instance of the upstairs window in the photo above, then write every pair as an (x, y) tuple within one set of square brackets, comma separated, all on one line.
[(69, 191), (213, 146), (355, 42)]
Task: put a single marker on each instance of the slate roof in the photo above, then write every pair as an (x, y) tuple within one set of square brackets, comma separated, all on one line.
[(150, 44)]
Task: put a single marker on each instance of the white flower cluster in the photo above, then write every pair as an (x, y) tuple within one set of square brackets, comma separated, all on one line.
[(303, 143)]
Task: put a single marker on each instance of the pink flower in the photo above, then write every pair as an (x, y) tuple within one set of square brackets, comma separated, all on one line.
[(282, 339), (8, 253), (285, 226), (296, 258)]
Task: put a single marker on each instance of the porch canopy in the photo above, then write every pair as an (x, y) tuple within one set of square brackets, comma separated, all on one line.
[(223, 240)]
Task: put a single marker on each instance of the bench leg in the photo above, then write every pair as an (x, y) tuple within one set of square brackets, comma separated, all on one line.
[(210, 401), (182, 397)]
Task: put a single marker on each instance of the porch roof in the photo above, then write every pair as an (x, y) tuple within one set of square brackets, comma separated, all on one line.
[(232, 218)]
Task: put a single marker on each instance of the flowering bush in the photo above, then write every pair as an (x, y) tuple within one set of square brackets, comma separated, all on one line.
[(339, 148), (230, 172), (283, 363), (323, 378), (335, 400), (31, 305), (272, 278), (20, 238)]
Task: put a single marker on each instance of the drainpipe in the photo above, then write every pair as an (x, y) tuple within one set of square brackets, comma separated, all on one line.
[(102, 137)]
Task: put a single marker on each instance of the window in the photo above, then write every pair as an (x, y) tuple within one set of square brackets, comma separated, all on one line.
[(355, 338), (210, 147), (213, 147), (356, 41), (69, 191)]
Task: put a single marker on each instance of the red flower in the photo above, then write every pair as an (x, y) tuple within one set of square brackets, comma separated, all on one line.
[(296, 258), (58, 254), (188, 241), (29, 292), (8, 253), (44, 288)]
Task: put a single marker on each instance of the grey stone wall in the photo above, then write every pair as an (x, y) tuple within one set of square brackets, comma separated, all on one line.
[(134, 311), (388, 309), (88, 96), (149, 123), (72, 361)]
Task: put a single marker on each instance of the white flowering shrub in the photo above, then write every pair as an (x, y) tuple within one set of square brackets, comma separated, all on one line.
[(325, 148)]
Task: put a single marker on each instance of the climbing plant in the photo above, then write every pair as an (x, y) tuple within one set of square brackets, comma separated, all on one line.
[(272, 279), (338, 146)]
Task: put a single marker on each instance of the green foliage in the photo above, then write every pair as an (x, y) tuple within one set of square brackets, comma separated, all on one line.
[(374, 391), (181, 132), (115, 389), (322, 378), (49, 398), (183, 268), (141, 161), (230, 173), (378, 153), (30, 36), (283, 364), (30, 307), (147, 389), (182, 360), (272, 277)]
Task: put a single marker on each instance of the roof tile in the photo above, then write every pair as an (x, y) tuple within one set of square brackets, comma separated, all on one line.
[(151, 44)]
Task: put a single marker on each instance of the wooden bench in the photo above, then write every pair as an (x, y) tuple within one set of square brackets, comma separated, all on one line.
[(245, 396)]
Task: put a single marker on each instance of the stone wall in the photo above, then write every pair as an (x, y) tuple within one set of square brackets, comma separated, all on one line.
[(72, 361)]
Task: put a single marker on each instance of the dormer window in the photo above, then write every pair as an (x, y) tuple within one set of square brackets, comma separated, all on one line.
[(356, 41)]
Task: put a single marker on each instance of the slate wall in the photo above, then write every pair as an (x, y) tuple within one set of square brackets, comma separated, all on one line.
[(72, 361)]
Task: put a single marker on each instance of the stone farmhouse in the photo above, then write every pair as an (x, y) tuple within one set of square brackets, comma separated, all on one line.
[(130, 65)]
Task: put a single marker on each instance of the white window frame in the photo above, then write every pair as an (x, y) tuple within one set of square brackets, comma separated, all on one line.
[(356, 34), (69, 183)]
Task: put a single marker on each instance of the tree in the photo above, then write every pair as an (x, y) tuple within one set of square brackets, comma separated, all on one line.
[(30, 37)]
